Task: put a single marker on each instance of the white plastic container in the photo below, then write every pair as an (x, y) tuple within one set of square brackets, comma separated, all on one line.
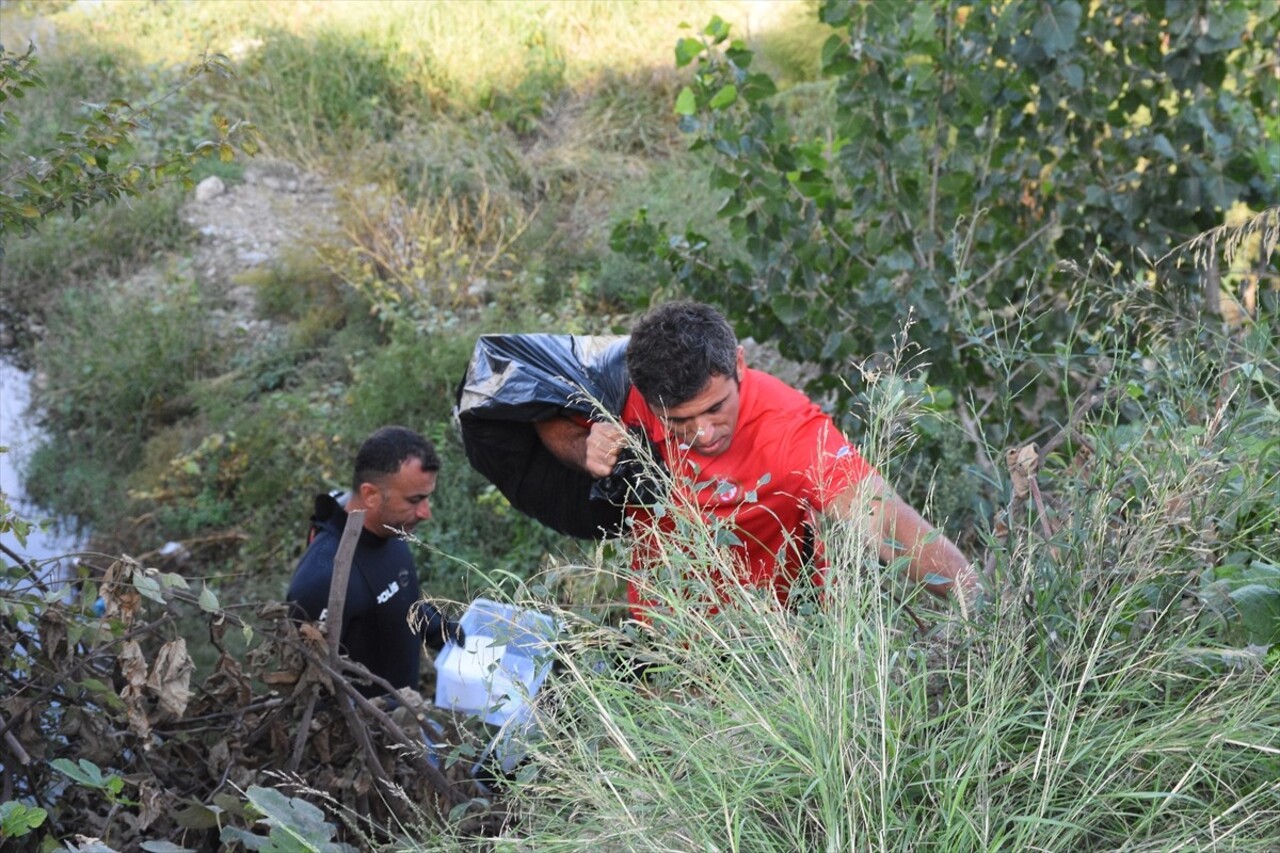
[(498, 671)]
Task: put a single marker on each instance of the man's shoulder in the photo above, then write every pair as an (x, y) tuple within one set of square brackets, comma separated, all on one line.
[(322, 540), (768, 392)]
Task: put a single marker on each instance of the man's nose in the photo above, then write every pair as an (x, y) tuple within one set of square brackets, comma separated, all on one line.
[(423, 510)]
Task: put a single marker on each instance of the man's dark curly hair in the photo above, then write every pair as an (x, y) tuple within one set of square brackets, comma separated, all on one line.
[(676, 348), (383, 452)]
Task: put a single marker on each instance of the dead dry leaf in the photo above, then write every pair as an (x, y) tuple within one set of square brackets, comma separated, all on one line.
[(228, 683), (122, 601), (280, 679), (53, 633), (312, 633), (1023, 463), (152, 803), (133, 667), (218, 759), (170, 678)]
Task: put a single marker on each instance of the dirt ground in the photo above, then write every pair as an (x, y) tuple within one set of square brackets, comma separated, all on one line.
[(243, 226)]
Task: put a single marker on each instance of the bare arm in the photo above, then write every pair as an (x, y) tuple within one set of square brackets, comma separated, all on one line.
[(900, 531), (593, 450)]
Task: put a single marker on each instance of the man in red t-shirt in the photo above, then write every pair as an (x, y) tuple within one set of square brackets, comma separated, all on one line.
[(749, 453)]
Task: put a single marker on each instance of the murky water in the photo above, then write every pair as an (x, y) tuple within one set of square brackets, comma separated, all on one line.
[(47, 548)]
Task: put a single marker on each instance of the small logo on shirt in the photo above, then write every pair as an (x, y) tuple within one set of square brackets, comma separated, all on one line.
[(728, 491), (385, 595)]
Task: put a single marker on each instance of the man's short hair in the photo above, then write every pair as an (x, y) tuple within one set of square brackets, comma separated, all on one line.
[(388, 448), (676, 348)]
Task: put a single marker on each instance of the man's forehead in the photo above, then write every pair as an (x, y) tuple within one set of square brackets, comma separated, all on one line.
[(413, 477), (718, 389)]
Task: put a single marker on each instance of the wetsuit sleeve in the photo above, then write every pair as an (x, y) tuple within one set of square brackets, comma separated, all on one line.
[(434, 628)]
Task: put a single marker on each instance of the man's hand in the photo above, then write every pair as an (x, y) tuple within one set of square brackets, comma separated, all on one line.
[(604, 443), (935, 561), (594, 450)]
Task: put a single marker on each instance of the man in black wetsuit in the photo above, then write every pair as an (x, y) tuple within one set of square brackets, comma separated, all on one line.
[(395, 474)]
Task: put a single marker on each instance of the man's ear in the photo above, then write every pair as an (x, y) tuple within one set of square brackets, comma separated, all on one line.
[(368, 493), (741, 367)]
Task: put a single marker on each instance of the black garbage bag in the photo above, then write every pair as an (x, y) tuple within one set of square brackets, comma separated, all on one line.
[(514, 381)]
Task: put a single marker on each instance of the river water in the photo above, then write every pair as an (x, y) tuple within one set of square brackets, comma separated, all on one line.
[(47, 548)]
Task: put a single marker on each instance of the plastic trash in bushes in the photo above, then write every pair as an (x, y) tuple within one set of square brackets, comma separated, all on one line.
[(498, 671), (512, 382)]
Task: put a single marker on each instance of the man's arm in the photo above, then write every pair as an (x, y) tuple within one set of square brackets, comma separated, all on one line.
[(309, 587), (593, 450), (900, 530), (433, 627)]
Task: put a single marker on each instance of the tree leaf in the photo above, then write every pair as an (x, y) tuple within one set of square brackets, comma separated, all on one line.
[(239, 836), (687, 50), (148, 586), (717, 29), (1259, 608), (1057, 27), (170, 678), (727, 95), (301, 822), (208, 600), (18, 819), (686, 102), (86, 772)]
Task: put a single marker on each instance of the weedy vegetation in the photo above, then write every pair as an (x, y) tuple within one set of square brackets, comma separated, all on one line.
[(1049, 314)]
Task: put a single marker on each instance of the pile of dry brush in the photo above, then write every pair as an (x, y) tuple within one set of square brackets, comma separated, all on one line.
[(115, 690)]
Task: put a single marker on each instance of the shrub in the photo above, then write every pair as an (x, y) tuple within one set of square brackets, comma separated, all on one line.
[(110, 242), (1101, 698), (121, 366)]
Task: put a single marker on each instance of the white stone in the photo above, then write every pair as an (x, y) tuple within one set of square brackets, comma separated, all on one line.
[(211, 187)]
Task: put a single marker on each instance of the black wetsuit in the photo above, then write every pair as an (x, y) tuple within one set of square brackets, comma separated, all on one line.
[(381, 593)]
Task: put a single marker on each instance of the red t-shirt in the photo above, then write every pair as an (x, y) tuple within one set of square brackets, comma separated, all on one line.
[(786, 460)]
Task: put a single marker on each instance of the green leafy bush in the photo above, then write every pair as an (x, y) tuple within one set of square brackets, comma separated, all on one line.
[(968, 157), (328, 91), (110, 242), (121, 366)]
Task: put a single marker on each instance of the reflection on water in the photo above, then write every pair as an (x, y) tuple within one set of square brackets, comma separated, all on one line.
[(44, 547)]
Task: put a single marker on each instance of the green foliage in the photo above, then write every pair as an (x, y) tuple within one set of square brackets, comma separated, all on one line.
[(440, 253), (968, 157), (1247, 598), (522, 107), (110, 242), (297, 288), (11, 521), (18, 819), (328, 91), (143, 350), (628, 112), (1116, 692), (92, 164), (122, 366), (294, 825), (90, 775)]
